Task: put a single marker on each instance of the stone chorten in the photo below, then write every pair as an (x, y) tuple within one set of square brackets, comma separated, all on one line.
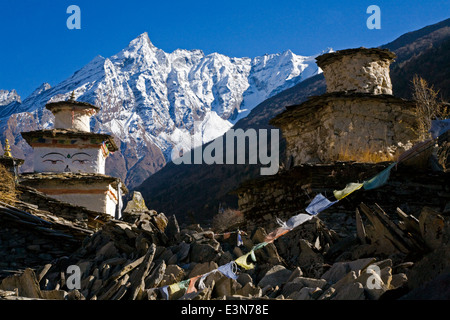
[(69, 160), (357, 119)]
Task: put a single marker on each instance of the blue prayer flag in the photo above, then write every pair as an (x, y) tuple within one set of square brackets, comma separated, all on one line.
[(318, 204), (239, 239), (227, 270)]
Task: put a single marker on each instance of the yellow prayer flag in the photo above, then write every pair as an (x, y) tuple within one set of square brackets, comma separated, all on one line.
[(174, 288), (242, 261), (349, 188)]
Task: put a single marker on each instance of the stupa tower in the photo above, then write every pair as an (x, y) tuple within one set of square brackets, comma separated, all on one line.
[(357, 119), (69, 160)]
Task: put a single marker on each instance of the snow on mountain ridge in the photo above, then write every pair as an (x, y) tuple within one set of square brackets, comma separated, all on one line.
[(7, 97)]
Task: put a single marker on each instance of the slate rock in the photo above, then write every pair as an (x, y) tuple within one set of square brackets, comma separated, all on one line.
[(309, 261), (299, 283), (398, 280), (306, 293), (137, 203), (339, 269), (350, 291), (172, 229), (25, 283), (436, 289), (244, 278), (432, 226), (203, 268), (277, 275), (203, 252), (249, 290), (156, 275), (421, 272)]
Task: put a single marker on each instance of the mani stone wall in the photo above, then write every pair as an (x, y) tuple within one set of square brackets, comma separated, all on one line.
[(37, 229), (289, 192), (22, 247), (357, 70), (347, 127)]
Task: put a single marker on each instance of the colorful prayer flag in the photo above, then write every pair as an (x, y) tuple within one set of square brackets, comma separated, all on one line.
[(259, 246), (349, 188), (164, 292), (242, 262), (201, 284), (192, 282), (380, 179), (298, 219), (318, 204), (239, 239), (175, 287), (276, 234), (228, 270)]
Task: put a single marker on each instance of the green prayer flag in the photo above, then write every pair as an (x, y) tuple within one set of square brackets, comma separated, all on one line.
[(380, 179)]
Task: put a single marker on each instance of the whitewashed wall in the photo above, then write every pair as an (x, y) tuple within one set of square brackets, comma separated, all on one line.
[(111, 202), (65, 119), (99, 202), (97, 197)]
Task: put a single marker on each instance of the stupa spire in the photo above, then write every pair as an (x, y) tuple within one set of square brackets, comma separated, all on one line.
[(7, 149)]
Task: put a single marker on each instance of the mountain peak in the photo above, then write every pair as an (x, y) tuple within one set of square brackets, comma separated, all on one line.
[(6, 97), (43, 87), (97, 58), (141, 40)]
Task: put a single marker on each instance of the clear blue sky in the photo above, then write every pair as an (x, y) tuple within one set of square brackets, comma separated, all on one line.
[(36, 46)]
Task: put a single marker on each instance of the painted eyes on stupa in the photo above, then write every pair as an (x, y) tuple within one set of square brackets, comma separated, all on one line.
[(73, 161), (64, 157), (80, 161), (53, 161)]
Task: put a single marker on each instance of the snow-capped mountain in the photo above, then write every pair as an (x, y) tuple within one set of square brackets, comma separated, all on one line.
[(7, 97), (152, 100)]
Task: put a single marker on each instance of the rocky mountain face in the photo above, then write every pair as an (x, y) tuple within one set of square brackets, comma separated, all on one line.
[(425, 52), (152, 100), (179, 189)]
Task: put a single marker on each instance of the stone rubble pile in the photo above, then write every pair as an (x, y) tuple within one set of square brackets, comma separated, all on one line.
[(133, 258)]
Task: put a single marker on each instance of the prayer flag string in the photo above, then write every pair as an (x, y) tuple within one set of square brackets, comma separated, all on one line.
[(317, 205)]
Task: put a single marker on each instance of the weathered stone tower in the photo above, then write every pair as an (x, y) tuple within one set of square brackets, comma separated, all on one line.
[(69, 160), (357, 119), (348, 134)]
